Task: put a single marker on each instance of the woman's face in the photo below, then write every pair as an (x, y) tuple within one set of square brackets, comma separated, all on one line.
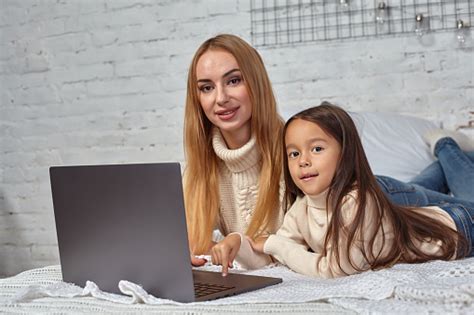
[(224, 97)]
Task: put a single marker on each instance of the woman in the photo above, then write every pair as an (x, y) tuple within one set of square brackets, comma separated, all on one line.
[(232, 136)]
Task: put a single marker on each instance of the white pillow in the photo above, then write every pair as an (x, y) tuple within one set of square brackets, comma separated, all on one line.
[(394, 143)]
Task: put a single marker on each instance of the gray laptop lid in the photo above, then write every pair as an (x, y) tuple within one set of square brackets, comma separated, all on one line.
[(123, 222), (127, 222)]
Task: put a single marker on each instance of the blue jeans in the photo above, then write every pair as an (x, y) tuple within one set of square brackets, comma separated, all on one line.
[(406, 194), (452, 173)]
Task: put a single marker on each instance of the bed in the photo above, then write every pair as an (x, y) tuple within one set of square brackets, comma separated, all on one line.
[(434, 287), (395, 147)]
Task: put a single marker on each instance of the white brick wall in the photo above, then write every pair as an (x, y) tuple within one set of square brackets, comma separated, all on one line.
[(86, 82)]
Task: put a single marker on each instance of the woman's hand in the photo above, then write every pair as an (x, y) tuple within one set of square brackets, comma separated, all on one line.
[(197, 262), (224, 252), (258, 244)]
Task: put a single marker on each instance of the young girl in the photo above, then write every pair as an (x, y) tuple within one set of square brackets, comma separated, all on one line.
[(341, 221), (233, 139)]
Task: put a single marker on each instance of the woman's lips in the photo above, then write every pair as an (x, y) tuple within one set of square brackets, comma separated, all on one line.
[(227, 114)]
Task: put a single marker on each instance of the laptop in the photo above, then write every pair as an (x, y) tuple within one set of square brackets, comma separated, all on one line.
[(127, 222)]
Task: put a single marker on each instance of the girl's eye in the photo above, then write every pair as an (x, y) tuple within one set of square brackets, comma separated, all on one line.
[(234, 81), (317, 149), (205, 88), (293, 154)]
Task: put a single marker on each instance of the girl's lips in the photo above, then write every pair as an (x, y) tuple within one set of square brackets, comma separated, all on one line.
[(308, 177), (227, 114)]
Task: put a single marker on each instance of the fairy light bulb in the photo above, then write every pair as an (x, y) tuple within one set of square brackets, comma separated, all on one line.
[(461, 32), (419, 25), (381, 15), (344, 3)]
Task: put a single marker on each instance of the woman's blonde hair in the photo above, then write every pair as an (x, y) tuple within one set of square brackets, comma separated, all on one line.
[(201, 180)]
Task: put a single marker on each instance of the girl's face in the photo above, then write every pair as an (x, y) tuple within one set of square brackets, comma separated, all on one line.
[(224, 97), (312, 156)]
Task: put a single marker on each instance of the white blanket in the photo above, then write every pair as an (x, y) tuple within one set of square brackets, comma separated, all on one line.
[(436, 286)]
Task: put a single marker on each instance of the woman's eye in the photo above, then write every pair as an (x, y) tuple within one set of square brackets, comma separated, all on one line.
[(317, 149), (234, 81), (293, 154), (205, 88)]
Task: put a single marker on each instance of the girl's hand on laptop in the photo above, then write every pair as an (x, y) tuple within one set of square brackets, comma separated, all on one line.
[(224, 252), (258, 244)]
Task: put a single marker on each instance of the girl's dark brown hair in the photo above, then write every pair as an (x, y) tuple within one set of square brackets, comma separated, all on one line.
[(354, 173)]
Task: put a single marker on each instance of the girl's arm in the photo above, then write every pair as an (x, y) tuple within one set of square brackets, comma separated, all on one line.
[(237, 246), (248, 258), (287, 247), (298, 258)]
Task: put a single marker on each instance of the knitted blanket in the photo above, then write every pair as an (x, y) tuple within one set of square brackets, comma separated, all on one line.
[(434, 287)]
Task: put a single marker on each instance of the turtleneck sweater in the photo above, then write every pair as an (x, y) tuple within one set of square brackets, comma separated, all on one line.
[(239, 173), (299, 243)]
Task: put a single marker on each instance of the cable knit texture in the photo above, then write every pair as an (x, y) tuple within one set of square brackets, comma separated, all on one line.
[(239, 172), (436, 287)]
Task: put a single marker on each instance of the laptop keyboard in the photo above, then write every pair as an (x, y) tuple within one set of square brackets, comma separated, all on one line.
[(202, 289)]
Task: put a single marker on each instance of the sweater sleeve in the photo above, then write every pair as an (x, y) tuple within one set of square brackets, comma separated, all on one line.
[(290, 248), (247, 257), (289, 229), (250, 259)]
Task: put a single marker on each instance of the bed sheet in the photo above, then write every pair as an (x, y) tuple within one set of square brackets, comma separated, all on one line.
[(436, 287)]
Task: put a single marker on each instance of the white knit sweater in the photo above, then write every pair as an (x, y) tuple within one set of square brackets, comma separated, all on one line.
[(306, 225), (239, 172)]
